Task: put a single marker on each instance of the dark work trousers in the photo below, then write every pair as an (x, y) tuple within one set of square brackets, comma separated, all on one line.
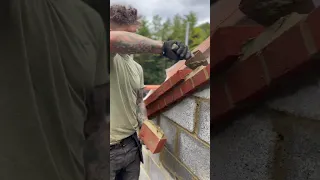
[(125, 158)]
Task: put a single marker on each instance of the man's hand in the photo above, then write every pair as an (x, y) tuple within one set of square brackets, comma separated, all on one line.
[(179, 53)]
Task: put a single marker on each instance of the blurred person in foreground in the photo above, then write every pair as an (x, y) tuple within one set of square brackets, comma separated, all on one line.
[(54, 91), (127, 107)]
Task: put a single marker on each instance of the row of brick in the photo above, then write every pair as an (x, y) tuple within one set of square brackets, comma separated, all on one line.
[(258, 72), (180, 91), (176, 88), (227, 43)]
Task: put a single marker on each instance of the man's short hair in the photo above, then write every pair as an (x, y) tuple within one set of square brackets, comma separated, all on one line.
[(123, 15)]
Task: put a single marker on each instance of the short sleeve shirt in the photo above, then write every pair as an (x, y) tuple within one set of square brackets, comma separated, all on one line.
[(126, 79)]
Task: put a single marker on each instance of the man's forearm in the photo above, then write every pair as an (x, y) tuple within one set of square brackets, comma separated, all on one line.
[(130, 43), (141, 108), (142, 113)]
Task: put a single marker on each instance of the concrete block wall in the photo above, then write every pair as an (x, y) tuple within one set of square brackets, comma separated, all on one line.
[(278, 140), (187, 151)]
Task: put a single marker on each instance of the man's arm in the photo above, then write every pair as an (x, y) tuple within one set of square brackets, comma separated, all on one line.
[(130, 43), (141, 108)]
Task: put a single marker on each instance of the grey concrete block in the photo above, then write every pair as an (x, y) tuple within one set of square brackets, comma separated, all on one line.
[(145, 158), (170, 131), (244, 151), (301, 159), (304, 103), (155, 158), (176, 167), (204, 121), (155, 172), (183, 113), (143, 174), (195, 155), (203, 93)]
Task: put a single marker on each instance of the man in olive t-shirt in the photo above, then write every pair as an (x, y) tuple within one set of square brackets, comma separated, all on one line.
[(127, 109), (53, 53)]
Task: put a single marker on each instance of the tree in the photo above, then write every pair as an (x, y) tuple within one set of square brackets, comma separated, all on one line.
[(171, 29)]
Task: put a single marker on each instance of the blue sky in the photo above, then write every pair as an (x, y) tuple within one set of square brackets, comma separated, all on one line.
[(168, 8)]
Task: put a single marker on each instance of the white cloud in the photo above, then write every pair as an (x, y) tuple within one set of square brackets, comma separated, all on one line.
[(169, 8)]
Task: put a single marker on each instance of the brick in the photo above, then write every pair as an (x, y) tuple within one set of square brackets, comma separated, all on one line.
[(187, 86), (227, 43), (204, 121), (195, 155), (220, 103), (183, 113), (168, 98), (161, 103), (153, 108), (177, 93), (313, 23), (285, 53), (180, 75), (151, 98), (170, 132), (171, 163), (203, 93), (246, 78), (200, 78)]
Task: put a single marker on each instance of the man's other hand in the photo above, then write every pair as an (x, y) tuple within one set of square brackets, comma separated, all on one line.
[(179, 53)]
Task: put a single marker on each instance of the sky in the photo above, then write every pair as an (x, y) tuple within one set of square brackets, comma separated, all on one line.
[(169, 8)]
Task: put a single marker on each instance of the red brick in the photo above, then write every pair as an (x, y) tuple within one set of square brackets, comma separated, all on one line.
[(200, 78), (167, 85), (227, 42), (179, 76), (152, 109), (245, 79), (151, 98), (313, 23), (177, 93), (285, 53), (187, 86), (219, 103), (168, 98), (161, 103)]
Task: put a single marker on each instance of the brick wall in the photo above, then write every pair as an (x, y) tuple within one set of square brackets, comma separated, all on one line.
[(187, 152), (277, 140)]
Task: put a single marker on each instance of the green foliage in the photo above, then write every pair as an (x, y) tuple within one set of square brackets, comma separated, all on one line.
[(170, 29)]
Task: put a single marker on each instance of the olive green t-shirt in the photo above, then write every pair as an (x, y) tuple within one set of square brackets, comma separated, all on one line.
[(126, 79), (53, 52)]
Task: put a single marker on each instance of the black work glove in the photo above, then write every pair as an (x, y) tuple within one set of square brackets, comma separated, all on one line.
[(179, 53)]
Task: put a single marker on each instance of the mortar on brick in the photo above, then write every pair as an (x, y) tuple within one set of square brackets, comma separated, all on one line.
[(183, 113), (245, 149), (204, 121), (195, 155), (170, 131)]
